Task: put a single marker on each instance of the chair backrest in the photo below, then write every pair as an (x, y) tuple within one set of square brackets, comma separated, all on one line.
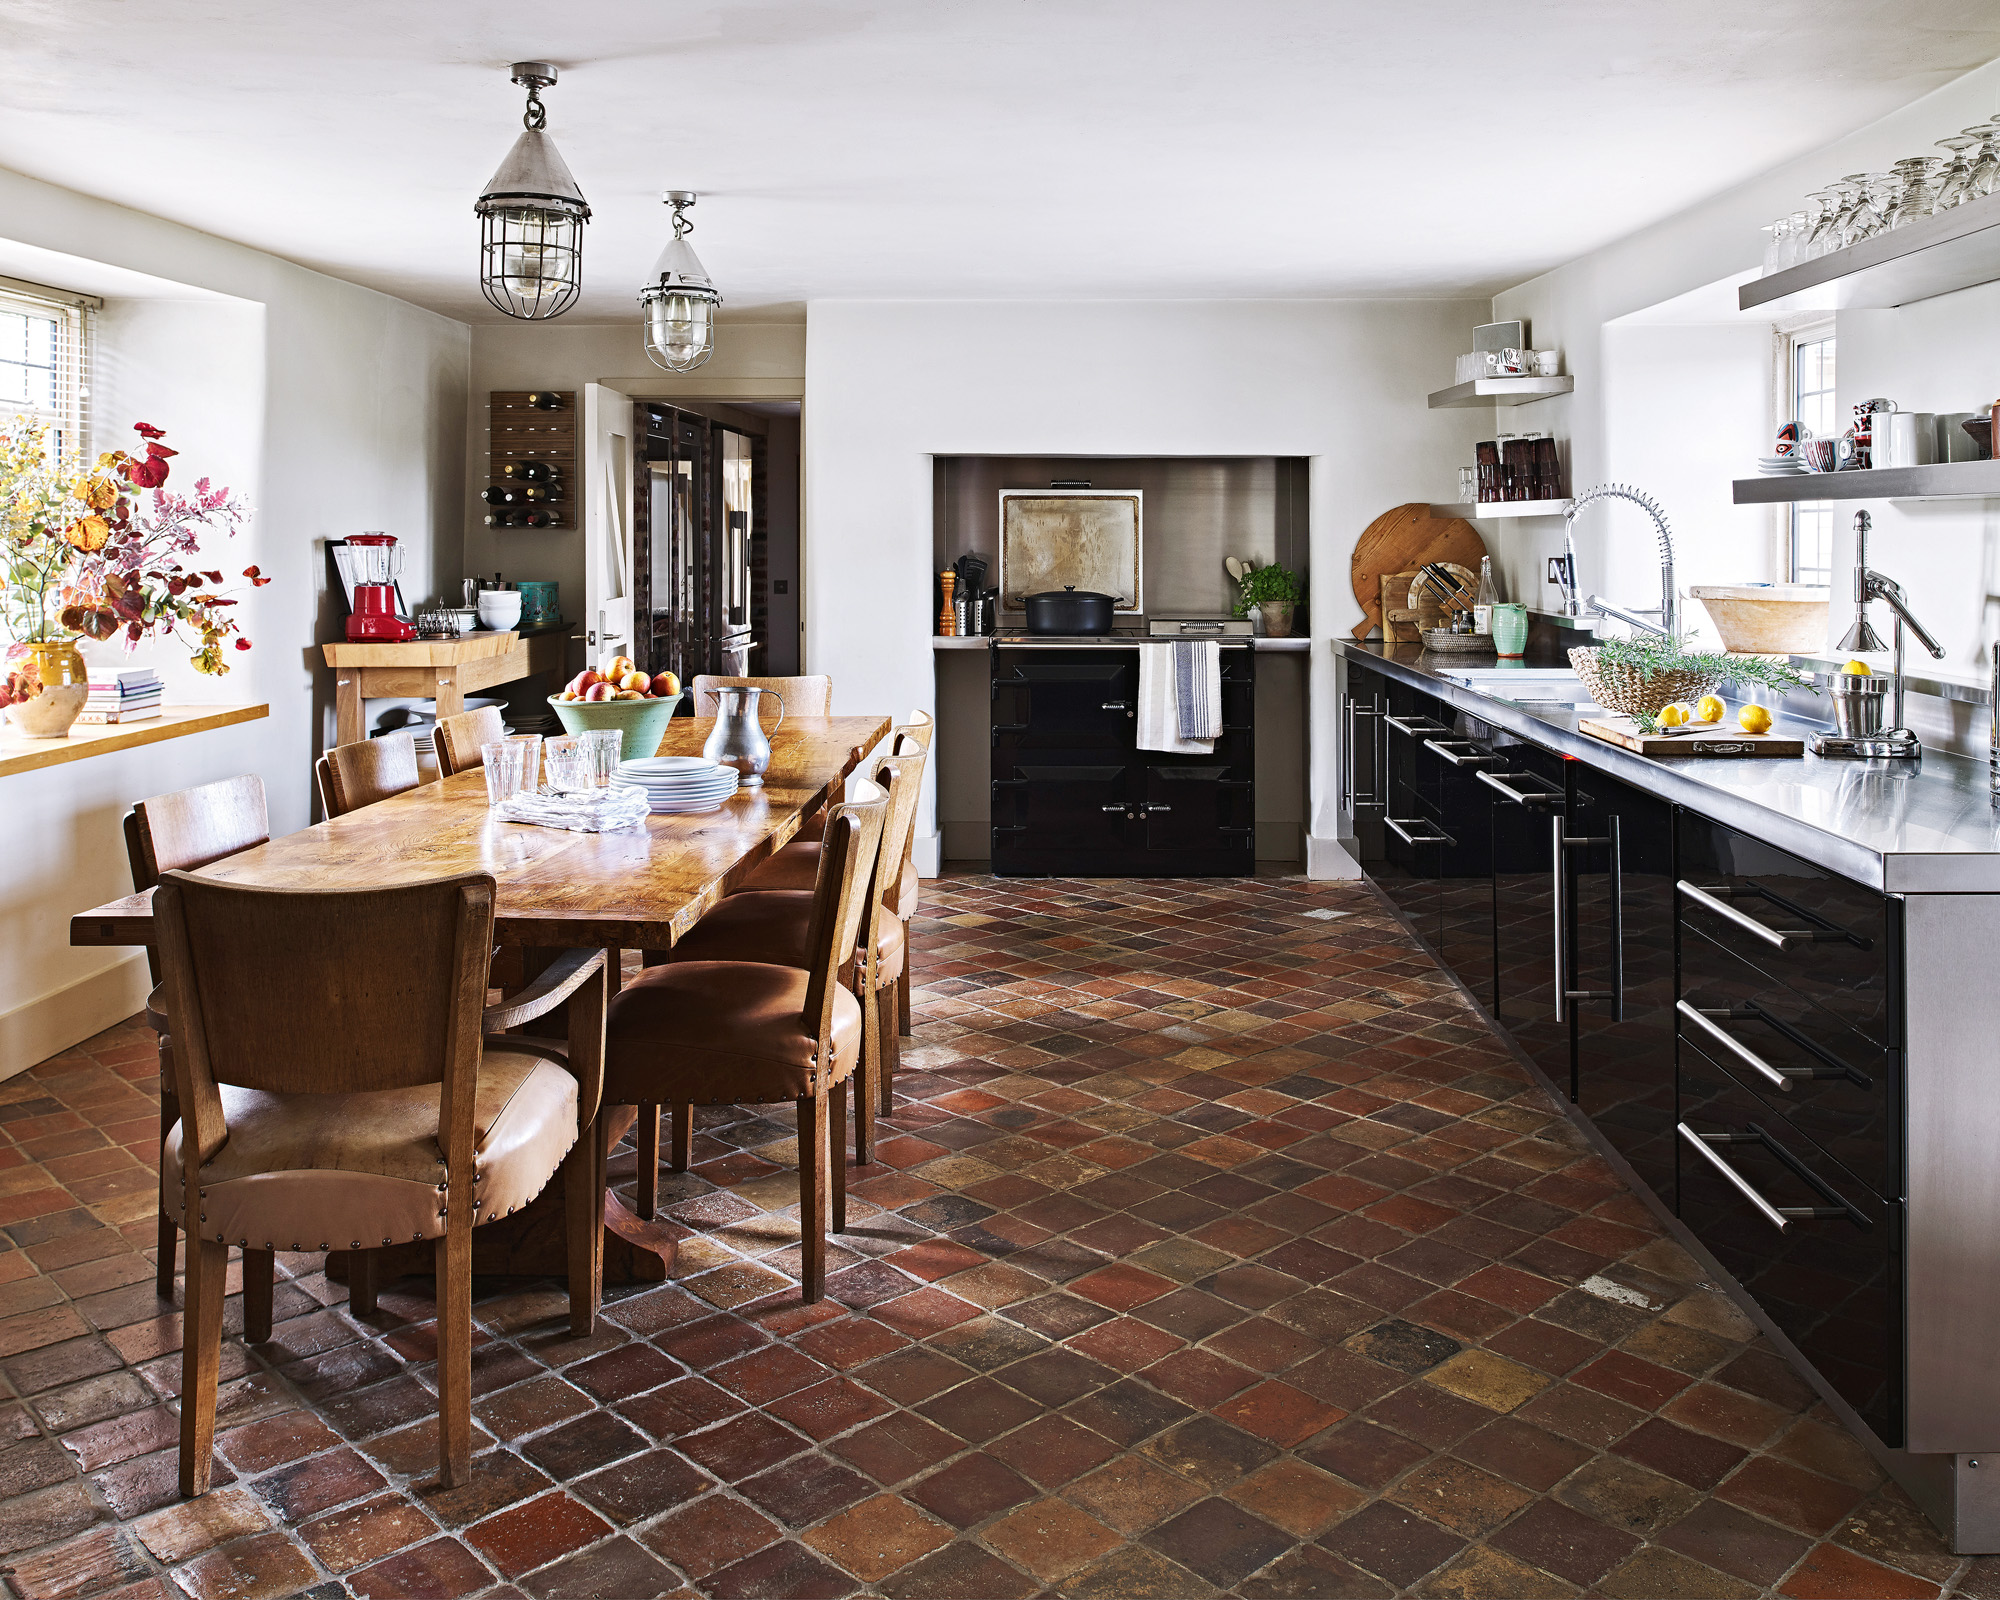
[(460, 739), (326, 991), (372, 769), (808, 696), (179, 832), (840, 896), (902, 775), (918, 728)]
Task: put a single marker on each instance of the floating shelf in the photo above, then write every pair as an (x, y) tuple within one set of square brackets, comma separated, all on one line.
[(1506, 508), (1931, 256), (1499, 392), (1945, 480)]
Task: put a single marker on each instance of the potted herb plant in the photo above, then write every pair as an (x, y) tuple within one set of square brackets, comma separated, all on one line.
[(1275, 591), (95, 552)]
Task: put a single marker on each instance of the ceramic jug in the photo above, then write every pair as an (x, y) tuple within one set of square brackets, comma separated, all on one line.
[(738, 739)]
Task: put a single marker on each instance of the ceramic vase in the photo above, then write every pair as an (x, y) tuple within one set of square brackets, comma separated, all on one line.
[(1277, 615), (46, 689)]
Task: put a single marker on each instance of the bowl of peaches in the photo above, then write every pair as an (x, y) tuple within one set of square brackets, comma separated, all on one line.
[(618, 695)]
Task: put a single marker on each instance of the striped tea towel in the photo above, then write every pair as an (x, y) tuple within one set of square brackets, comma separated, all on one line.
[(1180, 696)]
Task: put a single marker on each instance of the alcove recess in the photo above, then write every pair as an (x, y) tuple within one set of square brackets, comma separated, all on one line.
[(517, 431)]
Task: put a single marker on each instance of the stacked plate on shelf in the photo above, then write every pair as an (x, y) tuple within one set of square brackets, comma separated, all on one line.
[(1780, 466), (677, 785)]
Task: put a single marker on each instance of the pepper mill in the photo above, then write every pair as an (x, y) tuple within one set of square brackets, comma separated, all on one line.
[(948, 617)]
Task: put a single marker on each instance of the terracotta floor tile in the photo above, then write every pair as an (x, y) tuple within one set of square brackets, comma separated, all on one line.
[(1050, 1538), (710, 1533), (971, 1489), (346, 1539), (878, 1537), (1789, 1495), (535, 1532), (434, 1571), (781, 1570), (1831, 1573), (1299, 1498), (1392, 1543), (1746, 1547), (262, 1568)]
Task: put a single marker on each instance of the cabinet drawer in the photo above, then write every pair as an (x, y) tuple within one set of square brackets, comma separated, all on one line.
[(1820, 1254), (1831, 942)]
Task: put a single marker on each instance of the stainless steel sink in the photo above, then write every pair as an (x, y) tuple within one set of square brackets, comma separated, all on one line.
[(1523, 685)]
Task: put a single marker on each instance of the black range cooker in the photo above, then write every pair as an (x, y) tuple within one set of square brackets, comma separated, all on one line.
[(1074, 796)]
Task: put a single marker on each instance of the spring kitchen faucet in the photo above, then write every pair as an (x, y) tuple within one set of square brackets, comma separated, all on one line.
[(1668, 610)]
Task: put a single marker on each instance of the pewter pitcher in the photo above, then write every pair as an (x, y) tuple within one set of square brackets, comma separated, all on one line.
[(738, 739)]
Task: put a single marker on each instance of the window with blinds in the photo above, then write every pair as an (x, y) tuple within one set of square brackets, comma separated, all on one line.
[(45, 362)]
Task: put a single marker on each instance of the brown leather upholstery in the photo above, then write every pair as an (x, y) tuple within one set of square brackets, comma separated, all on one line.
[(340, 1171), (796, 866), (720, 1033), (770, 925)]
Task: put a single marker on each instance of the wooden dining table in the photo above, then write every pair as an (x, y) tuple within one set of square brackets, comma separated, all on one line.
[(636, 889)]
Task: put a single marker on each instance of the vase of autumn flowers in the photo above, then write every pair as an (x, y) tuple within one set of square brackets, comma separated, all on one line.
[(102, 552)]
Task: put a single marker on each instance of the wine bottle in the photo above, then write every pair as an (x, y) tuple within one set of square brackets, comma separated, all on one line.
[(1486, 599), (545, 399), (535, 517), (499, 495)]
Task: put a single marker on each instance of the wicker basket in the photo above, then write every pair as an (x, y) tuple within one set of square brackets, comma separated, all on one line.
[(1621, 688)]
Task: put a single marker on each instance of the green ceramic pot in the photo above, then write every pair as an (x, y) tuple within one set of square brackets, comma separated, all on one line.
[(644, 722)]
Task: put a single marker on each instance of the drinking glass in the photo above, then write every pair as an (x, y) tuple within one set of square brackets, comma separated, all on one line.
[(505, 764), (605, 746), (1916, 194), (1864, 221), (569, 763), (531, 758), (1796, 227), (1985, 174), (1951, 188), (1825, 209), (1773, 246)]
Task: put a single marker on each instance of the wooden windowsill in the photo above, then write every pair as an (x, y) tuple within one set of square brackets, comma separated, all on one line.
[(18, 754)]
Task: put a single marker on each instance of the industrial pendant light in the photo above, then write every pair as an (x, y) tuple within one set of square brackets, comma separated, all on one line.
[(531, 218), (680, 302)]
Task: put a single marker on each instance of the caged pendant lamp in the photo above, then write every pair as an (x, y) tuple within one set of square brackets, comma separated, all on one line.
[(680, 302), (531, 217)]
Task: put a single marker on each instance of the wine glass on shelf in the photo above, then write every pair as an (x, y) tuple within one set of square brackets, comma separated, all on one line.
[(1864, 215), (1985, 174), (1951, 184), (1824, 210), (1794, 241), (1774, 244), (1913, 197)]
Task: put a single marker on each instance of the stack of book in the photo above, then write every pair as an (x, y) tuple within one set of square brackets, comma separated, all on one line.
[(123, 696)]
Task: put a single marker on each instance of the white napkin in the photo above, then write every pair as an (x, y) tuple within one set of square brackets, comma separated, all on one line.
[(1161, 697), (577, 810)]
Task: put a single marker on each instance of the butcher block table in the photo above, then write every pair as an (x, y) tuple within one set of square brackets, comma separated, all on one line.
[(640, 889), (443, 671)]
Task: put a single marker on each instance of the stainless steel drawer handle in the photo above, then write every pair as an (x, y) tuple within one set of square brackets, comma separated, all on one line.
[(1776, 938), (1460, 752), (1396, 825), (1710, 1146), (1778, 1077), (1416, 727), (1498, 782), (1115, 705)]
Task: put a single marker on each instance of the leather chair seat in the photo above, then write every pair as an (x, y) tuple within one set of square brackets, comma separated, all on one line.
[(771, 925), (156, 1011), (342, 1171), (720, 1033), (796, 866)]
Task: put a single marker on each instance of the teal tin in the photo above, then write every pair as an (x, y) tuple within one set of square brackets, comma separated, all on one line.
[(541, 606)]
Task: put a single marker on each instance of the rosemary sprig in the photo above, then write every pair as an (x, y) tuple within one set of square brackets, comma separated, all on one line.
[(1654, 654)]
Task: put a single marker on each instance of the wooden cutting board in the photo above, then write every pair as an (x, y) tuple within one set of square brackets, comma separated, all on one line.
[(1400, 541), (1624, 732)]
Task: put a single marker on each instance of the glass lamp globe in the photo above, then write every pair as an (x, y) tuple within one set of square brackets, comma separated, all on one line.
[(680, 302)]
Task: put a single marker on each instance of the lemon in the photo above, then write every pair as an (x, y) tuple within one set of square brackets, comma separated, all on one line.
[(1755, 719), (1858, 668), (1673, 716), (1709, 708)]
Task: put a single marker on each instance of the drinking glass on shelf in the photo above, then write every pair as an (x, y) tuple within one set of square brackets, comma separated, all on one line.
[(1915, 191), (569, 763), (1468, 485), (504, 762), (1864, 221), (1951, 186), (606, 745), (1774, 246), (1825, 208), (1796, 228)]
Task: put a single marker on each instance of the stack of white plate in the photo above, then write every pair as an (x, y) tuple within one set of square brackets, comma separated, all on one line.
[(676, 785), (1780, 466)]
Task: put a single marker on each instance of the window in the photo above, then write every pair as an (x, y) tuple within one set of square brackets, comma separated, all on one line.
[(1811, 401), (44, 361)]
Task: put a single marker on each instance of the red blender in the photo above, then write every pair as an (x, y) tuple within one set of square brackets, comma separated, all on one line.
[(377, 561)]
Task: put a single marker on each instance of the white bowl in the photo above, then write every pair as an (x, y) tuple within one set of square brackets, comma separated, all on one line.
[(499, 609)]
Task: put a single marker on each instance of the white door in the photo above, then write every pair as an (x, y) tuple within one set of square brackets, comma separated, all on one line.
[(607, 498)]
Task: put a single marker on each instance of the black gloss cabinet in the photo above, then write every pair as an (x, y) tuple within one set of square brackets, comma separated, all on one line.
[(1074, 796)]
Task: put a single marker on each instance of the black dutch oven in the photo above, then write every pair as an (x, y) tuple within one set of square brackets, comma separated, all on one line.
[(1070, 611)]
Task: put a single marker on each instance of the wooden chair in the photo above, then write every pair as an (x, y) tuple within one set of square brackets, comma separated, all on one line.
[(354, 775), (796, 864), (808, 696), (460, 739), (691, 1033), (772, 925), (337, 1092), (177, 833)]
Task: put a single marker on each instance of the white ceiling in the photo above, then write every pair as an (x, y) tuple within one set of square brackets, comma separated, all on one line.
[(963, 148)]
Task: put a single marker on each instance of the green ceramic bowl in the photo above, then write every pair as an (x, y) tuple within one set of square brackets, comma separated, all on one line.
[(644, 721)]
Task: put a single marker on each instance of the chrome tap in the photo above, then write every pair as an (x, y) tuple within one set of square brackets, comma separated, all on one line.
[(1668, 610)]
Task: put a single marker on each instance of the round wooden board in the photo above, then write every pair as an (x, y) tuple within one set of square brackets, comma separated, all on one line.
[(1401, 541)]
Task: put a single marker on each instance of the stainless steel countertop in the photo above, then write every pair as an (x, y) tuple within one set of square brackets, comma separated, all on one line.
[(1103, 641), (1924, 827)]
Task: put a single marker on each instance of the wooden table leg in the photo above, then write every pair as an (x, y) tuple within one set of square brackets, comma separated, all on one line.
[(347, 711), (450, 699)]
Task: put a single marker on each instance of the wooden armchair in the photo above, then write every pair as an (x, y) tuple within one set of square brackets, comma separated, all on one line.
[(460, 739), (338, 1091), (810, 695), (350, 776)]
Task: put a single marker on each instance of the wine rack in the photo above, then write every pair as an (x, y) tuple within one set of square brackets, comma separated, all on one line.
[(518, 431)]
